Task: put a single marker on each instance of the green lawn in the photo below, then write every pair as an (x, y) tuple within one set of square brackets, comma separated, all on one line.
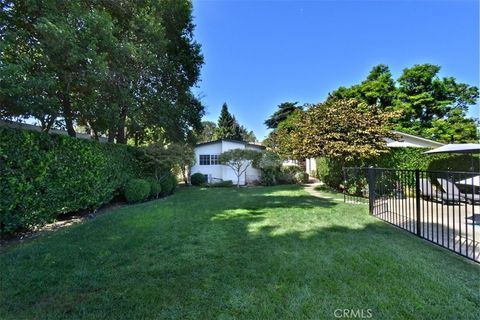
[(258, 253)]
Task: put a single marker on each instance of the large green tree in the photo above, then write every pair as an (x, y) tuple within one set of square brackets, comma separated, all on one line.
[(430, 106), (284, 110), (229, 128), (106, 65), (338, 129), (425, 99), (207, 133)]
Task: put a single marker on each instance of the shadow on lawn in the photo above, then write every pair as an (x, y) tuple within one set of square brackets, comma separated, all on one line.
[(226, 254)]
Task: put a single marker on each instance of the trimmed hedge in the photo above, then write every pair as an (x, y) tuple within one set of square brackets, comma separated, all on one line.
[(168, 184), (222, 184), (197, 179), (330, 172), (155, 187), (44, 175), (137, 190), (301, 177)]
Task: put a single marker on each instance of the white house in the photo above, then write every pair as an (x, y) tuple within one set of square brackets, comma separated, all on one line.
[(206, 161), (409, 140), (404, 140)]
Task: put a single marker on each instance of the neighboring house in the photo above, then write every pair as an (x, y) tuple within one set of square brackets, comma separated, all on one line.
[(206, 161), (409, 140), (404, 140)]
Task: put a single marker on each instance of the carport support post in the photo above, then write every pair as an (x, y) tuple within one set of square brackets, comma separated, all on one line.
[(371, 188), (417, 201)]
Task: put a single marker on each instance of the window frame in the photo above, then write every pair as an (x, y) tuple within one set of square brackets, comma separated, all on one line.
[(204, 159)]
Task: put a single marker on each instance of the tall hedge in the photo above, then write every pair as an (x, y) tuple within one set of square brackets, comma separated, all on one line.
[(330, 170), (42, 176)]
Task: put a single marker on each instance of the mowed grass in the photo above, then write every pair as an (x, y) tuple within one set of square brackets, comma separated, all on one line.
[(256, 253)]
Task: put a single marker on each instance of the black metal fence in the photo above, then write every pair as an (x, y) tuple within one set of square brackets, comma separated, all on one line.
[(440, 206)]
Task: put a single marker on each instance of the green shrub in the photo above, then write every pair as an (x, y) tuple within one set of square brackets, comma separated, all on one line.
[(155, 187), (222, 184), (168, 184), (301, 177), (197, 179), (455, 162), (137, 190), (285, 178), (330, 171), (269, 177), (43, 175), (270, 164)]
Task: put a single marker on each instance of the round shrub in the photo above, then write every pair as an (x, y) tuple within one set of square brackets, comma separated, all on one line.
[(301, 177), (155, 187), (137, 190), (198, 179), (168, 184)]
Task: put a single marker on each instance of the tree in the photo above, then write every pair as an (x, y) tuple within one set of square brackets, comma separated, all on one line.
[(103, 65), (423, 99), (279, 139), (337, 129), (377, 90), (246, 135), (229, 128), (284, 110), (455, 127), (183, 156), (207, 133), (238, 160), (160, 159), (270, 164)]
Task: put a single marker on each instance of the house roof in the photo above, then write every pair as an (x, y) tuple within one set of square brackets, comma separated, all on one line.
[(406, 144), (231, 140), (457, 148)]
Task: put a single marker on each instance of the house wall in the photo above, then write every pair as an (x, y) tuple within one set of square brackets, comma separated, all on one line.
[(213, 171), (221, 172), (310, 165)]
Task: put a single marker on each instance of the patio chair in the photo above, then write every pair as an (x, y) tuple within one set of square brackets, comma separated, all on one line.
[(450, 186), (428, 191)]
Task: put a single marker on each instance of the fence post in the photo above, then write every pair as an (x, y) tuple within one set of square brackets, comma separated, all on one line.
[(371, 188), (417, 201)]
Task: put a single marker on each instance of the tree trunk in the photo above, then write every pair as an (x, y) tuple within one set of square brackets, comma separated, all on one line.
[(111, 135), (67, 111), (68, 115), (121, 126), (47, 124)]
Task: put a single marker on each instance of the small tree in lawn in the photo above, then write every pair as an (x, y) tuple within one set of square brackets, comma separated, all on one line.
[(238, 160)]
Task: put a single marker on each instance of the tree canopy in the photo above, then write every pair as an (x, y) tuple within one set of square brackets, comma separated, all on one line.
[(228, 128), (430, 106), (284, 110), (337, 129), (120, 68), (238, 160)]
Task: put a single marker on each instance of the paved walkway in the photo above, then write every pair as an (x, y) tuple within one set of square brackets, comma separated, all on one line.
[(310, 189)]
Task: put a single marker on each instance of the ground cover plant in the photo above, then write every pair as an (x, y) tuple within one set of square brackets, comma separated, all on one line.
[(258, 253)]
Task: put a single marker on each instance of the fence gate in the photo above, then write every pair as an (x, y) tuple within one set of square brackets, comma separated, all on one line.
[(439, 206)]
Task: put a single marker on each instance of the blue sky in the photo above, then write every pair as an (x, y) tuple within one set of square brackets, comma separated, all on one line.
[(261, 53)]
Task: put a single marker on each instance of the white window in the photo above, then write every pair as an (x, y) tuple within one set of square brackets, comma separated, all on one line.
[(208, 159), (214, 159), (204, 159)]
